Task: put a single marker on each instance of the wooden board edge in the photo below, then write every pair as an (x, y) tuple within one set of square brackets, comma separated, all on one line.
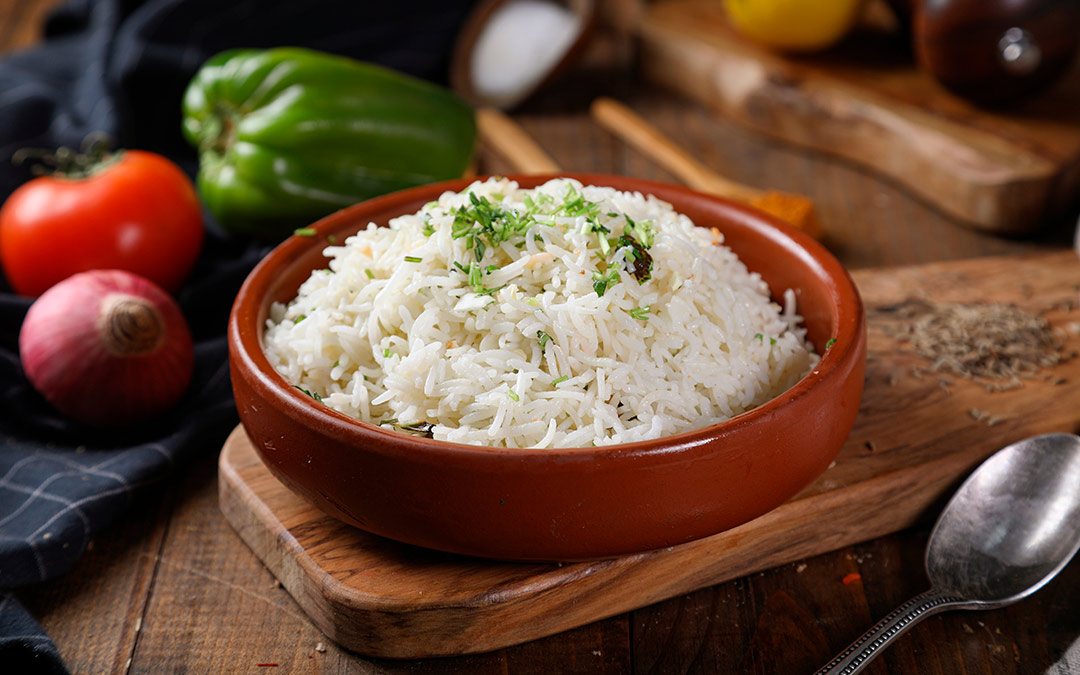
[(587, 592), (995, 196), (261, 530)]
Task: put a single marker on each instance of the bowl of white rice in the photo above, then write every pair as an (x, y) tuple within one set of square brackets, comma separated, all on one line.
[(547, 368)]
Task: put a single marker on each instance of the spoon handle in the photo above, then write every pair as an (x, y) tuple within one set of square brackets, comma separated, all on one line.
[(863, 650)]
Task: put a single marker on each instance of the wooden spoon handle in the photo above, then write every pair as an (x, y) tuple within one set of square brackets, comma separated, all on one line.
[(629, 126), (504, 136)]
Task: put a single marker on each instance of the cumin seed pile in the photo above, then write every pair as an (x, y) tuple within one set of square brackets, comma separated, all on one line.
[(995, 345)]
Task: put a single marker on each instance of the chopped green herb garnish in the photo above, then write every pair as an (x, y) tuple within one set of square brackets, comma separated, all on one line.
[(490, 268), (387, 353), (389, 420), (331, 238), (544, 338), (484, 224), (830, 343), (304, 231), (370, 274), (413, 259), (299, 318), (601, 237), (513, 395), (312, 394), (759, 337), (575, 204), (640, 312), (489, 291), (643, 231), (556, 381), (428, 229), (772, 340), (475, 277), (602, 281)]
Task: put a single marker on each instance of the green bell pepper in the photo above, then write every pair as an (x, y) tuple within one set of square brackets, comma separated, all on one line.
[(288, 135)]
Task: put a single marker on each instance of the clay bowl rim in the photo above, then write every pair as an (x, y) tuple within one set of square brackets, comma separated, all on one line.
[(245, 335)]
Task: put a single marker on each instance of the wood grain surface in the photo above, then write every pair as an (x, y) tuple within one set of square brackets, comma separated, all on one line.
[(913, 441), (867, 102), (173, 589)]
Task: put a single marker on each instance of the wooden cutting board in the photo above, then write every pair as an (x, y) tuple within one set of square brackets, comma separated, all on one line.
[(913, 441), (866, 101)]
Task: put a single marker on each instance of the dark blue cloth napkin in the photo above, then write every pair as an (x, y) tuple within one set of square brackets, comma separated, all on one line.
[(121, 66)]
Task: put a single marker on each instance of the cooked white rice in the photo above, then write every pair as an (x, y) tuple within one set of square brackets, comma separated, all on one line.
[(394, 332)]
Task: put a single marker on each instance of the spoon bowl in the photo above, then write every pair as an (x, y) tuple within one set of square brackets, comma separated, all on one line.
[(1012, 525), (1009, 529)]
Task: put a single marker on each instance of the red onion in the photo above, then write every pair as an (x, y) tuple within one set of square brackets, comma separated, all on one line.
[(107, 348)]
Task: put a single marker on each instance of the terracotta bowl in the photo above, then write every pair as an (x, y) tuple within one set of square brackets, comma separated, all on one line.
[(559, 504)]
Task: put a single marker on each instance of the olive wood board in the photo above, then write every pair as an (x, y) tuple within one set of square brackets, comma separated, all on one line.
[(913, 440), (866, 101)]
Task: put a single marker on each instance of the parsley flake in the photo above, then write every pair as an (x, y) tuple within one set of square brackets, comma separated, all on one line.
[(312, 394), (543, 338), (602, 281), (640, 312)]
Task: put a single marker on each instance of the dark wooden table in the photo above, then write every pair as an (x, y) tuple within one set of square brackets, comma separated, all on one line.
[(173, 589)]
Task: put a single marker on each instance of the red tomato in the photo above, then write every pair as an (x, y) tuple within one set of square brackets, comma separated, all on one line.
[(137, 212)]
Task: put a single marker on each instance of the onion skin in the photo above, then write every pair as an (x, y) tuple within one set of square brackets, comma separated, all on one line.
[(107, 348)]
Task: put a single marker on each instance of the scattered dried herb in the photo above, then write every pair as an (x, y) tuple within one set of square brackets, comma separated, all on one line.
[(995, 345), (982, 416)]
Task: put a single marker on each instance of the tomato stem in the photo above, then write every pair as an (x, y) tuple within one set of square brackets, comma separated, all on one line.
[(93, 155)]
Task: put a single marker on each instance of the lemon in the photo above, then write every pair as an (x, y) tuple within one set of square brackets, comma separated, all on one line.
[(794, 25)]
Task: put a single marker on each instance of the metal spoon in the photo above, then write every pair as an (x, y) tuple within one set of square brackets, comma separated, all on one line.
[(1012, 526)]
